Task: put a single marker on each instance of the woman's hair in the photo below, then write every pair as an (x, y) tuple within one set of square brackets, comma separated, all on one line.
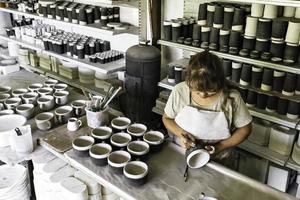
[(205, 73)]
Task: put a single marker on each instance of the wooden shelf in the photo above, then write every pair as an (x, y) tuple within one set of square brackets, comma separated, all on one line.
[(292, 165), (281, 67), (89, 27), (102, 68)]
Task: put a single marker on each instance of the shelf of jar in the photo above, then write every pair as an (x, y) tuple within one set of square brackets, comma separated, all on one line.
[(74, 83), (125, 4), (286, 68), (263, 114), (102, 68), (292, 165), (294, 3), (90, 27)]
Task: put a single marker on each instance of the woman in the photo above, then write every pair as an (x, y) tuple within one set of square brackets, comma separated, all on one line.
[(205, 109)]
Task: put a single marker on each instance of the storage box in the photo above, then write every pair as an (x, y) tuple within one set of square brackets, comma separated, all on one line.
[(260, 132), (282, 139), (278, 177)]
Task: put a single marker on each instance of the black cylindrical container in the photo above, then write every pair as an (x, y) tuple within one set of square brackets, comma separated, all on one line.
[(234, 39), (277, 50), (196, 32), (218, 16), (246, 74), (65, 45), (261, 101), (66, 18), (80, 51), (251, 98), (293, 110), (248, 43), (264, 28), (191, 27), (176, 31), (267, 79), (82, 17), (236, 71), (282, 106), (297, 92), (238, 19), (97, 14), (205, 33), (92, 48), (74, 52), (228, 17), (106, 45), (116, 11), (224, 37), (167, 30), (90, 14), (289, 85), (256, 76), (210, 14), (291, 53), (178, 74), (69, 13), (104, 16), (46, 44), (185, 28), (53, 11), (71, 47), (227, 68), (214, 38), (93, 59), (44, 10), (60, 47), (110, 14), (262, 45), (171, 74), (279, 28), (142, 77), (202, 12), (278, 81), (98, 46), (272, 103)]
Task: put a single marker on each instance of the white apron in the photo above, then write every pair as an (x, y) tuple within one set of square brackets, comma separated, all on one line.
[(203, 124)]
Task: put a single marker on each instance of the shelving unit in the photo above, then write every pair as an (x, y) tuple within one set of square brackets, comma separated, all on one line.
[(89, 27), (286, 68), (270, 2), (103, 68)]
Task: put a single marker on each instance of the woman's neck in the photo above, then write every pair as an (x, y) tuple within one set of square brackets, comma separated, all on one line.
[(205, 101)]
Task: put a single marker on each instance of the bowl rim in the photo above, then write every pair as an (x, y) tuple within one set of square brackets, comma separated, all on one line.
[(202, 163), (138, 153), (137, 125), (119, 165), (128, 136), (121, 127), (139, 176), (97, 156), (102, 128), (157, 133), (85, 148)]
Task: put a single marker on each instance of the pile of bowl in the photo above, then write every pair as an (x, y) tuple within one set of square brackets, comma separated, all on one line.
[(38, 99), (125, 147)]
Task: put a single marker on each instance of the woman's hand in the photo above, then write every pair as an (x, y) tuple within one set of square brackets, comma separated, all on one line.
[(187, 140)]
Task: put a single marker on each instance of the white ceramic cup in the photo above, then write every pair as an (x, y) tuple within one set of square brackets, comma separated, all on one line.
[(46, 102), (44, 121), (63, 114), (74, 124), (12, 103), (5, 89), (78, 107), (3, 97), (26, 110), (61, 97), (34, 87), (19, 92), (50, 83), (199, 157), (45, 91), (30, 98), (60, 87)]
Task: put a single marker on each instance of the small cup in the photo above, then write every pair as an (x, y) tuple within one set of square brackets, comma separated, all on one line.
[(99, 153), (50, 83), (74, 124), (61, 97), (82, 145), (5, 89), (138, 150), (117, 160), (19, 92), (136, 130), (63, 114), (45, 91), (30, 98), (60, 87), (46, 102), (44, 121), (6, 112), (12, 103), (78, 107), (136, 172), (120, 140), (198, 156), (101, 134), (34, 87), (120, 124), (3, 97), (26, 110), (155, 139)]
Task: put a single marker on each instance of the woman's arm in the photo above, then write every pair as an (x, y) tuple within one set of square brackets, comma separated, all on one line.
[(238, 136), (187, 140)]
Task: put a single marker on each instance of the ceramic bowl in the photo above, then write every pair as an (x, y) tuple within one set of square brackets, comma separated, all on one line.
[(12, 103), (50, 83), (26, 110), (120, 124), (99, 153), (34, 87), (136, 130), (19, 92), (45, 91), (60, 87), (117, 160), (136, 172), (5, 89), (138, 149), (101, 134), (82, 145), (155, 139), (197, 158), (120, 140), (3, 97)]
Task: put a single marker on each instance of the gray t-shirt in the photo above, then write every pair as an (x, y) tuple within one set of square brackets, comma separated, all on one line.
[(233, 106)]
